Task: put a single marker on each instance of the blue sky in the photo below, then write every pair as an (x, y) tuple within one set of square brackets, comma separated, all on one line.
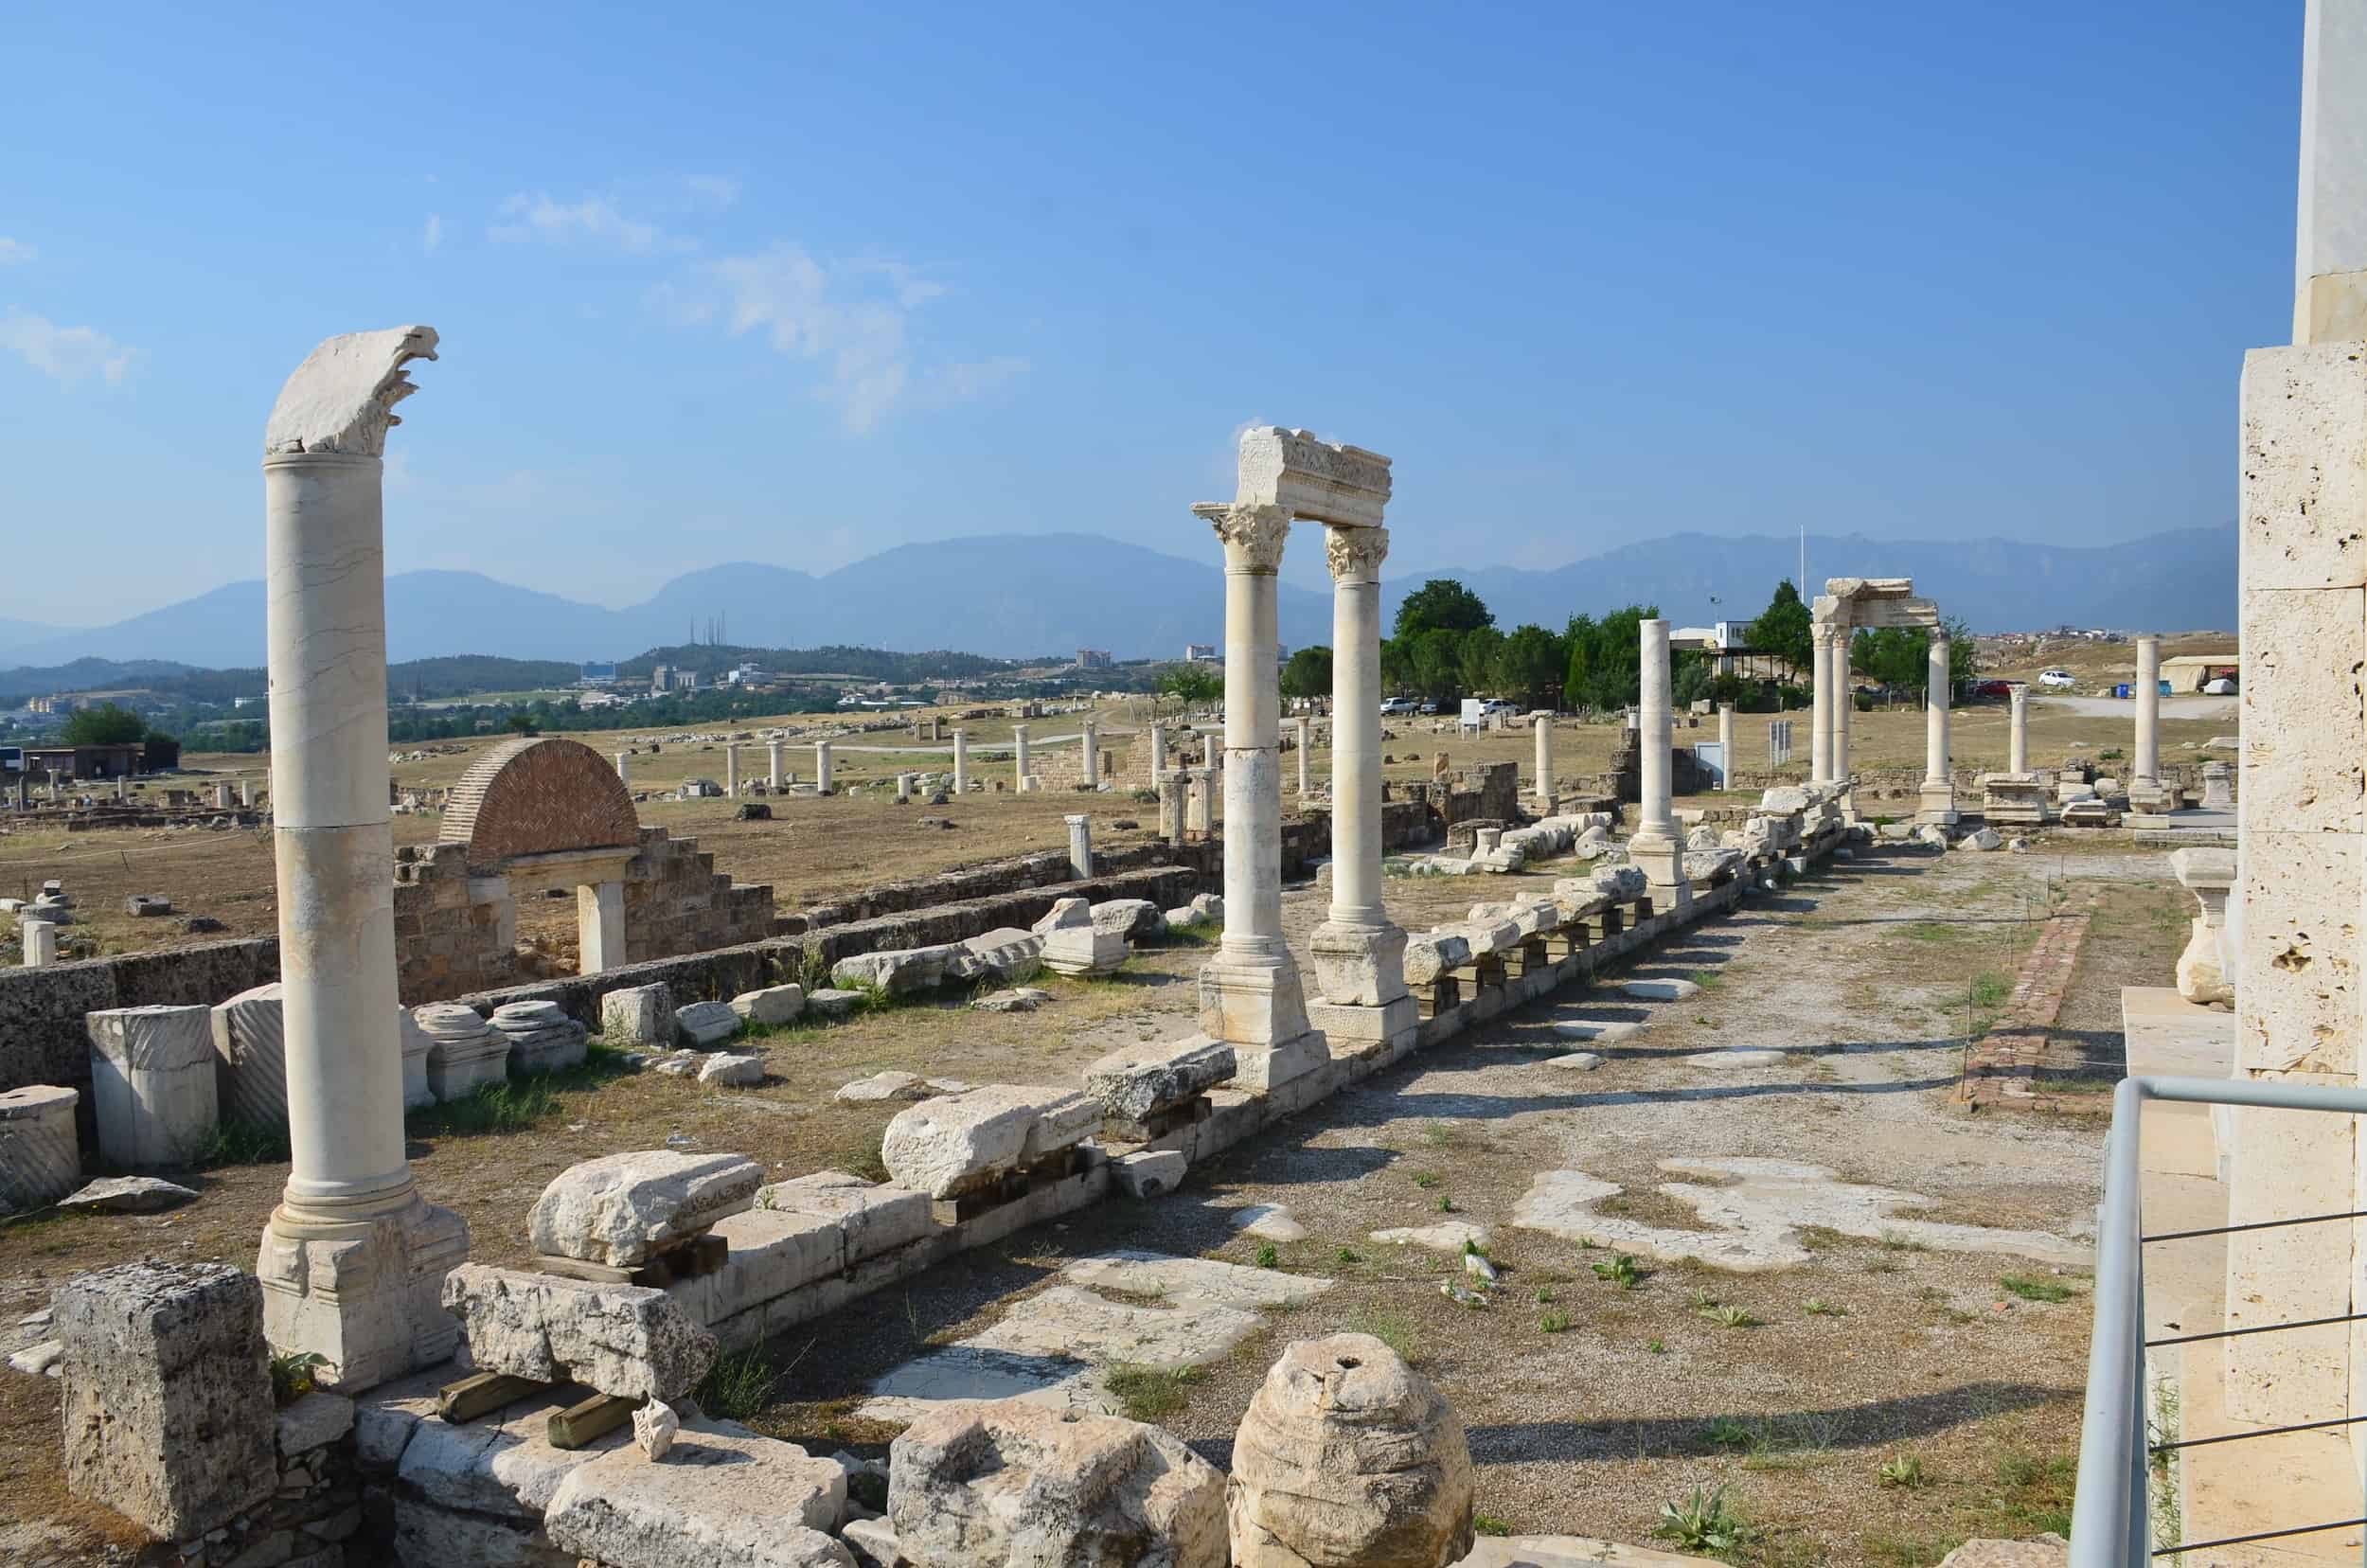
[(796, 283)]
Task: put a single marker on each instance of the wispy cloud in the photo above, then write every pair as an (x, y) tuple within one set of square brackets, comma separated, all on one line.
[(15, 252), (711, 192), (595, 221), (65, 355), (853, 318), (433, 235)]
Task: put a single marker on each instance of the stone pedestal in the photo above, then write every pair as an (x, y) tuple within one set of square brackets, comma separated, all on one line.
[(165, 1383), (1199, 813), (2219, 787), (1657, 848), (39, 940), (152, 1090), (2203, 968), (352, 1259), (40, 1151), (1080, 846), (599, 927)]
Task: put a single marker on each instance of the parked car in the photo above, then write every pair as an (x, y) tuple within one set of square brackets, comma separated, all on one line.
[(2223, 686), (1992, 688), (1428, 708), (2062, 677), (1396, 705)]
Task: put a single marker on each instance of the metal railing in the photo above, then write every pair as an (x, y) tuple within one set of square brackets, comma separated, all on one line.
[(2110, 1517)]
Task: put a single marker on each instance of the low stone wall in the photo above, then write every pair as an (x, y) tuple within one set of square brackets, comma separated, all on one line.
[(676, 901), (41, 1009), (989, 877), (454, 932)]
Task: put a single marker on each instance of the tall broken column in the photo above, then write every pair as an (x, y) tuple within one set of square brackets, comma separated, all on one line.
[(1359, 952), (731, 772), (1938, 806), (1658, 846), (2017, 729), (1726, 746), (1305, 733), (773, 772), (624, 769), (822, 766), (1089, 772), (1543, 724), (2301, 836), (2145, 779), (961, 760), (353, 1259), (1019, 757)]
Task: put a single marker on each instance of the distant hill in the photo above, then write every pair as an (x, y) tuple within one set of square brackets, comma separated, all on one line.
[(17, 633), (1022, 595)]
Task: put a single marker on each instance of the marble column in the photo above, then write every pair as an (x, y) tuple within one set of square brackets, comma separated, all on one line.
[(1359, 952), (1089, 761), (599, 927), (1823, 634), (2145, 783), (1726, 746), (1845, 703), (1544, 725), (961, 760), (1019, 755), (903, 789), (1250, 994), (246, 793), (1938, 805), (1158, 753), (822, 767), (1080, 846), (624, 769), (1305, 733), (731, 772), (772, 776), (1176, 786), (352, 1261), (1658, 846), (2018, 728), (1208, 752)]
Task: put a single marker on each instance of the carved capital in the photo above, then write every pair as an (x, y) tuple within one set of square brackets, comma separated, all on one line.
[(1823, 634), (1253, 535), (1355, 554), (341, 400)]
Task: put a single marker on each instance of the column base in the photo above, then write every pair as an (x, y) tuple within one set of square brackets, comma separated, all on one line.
[(1663, 863), (1252, 1001), (2147, 794), (1359, 966), (1264, 1069), (1938, 805), (366, 1296)]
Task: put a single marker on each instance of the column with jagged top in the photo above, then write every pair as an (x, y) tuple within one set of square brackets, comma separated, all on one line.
[(352, 1260)]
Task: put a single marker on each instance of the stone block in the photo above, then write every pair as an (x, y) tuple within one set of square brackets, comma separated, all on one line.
[(1360, 966), (1347, 1456), (40, 1151), (1005, 952), (872, 1217), (2302, 494), (1264, 1069), (630, 1341), (314, 1421), (771, 1254), (1017, 1482), (250, 1047), (960, 1142), (2304, 725), (773, 1004), (165, 1383), (1438, 952), (703, 1025), (833, 1004), (621, 1209), (732, 1070), (1150, 1173), (723, 1495), (1136, 1082), (2296, 954), (152, 1084), (467, 1052), (416, 1044), (638, 1015), (905, 971), (1136, 919)]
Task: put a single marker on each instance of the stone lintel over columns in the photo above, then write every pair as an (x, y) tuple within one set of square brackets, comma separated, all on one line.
[(352, 1260)]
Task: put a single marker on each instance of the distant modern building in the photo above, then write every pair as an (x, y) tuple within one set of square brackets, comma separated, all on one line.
[(662, 678), (598, 674), (1093, 658), (1200, 653), (745, 675), (117, 761)]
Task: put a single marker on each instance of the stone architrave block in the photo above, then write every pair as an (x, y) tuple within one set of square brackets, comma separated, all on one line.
[(703, 1025), (771, 1005), (958, 1143), (1138, 1083), (872, 1217), (1348, 1455), (631, 1341), (771, 1254), (165, 1383), (722, 1495), (622, 1209), (638, 1015), (904, 972), (152, 1084), (2297, 979), (2304, 727), (1006, 953), (250, 1046), (40, 1151), (2302, 492), (1013, 1482)]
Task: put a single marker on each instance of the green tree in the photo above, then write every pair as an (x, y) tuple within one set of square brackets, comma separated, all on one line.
[(102, 724), (1607, 658), (1900, 655), (1532, 665), (1308, 674), (1442, 604), (1782, 628), (1481, 659), (1690, 676), (1434, 663), (1191, 685)]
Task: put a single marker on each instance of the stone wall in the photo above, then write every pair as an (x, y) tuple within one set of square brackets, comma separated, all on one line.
[(676, 901), (987, 878), (454, 931), (41, 1009)]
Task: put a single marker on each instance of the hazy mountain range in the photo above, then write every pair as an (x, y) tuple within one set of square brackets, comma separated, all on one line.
[(1019, 595)]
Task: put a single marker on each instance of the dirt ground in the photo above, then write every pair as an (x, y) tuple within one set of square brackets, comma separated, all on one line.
[(1873, 1351), (814, 850)]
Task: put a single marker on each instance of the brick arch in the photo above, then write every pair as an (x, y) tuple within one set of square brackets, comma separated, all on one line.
[(535, 796)]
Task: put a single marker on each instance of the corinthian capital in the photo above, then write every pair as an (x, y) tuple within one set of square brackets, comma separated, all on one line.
[(1823, 634), (1355, 554), (1253, 535), (342, 399)]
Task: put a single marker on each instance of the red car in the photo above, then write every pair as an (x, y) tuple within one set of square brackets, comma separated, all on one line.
[(1992, 688)]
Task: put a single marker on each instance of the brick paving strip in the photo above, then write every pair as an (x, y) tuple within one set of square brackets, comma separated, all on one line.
[(2001, 1067)]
